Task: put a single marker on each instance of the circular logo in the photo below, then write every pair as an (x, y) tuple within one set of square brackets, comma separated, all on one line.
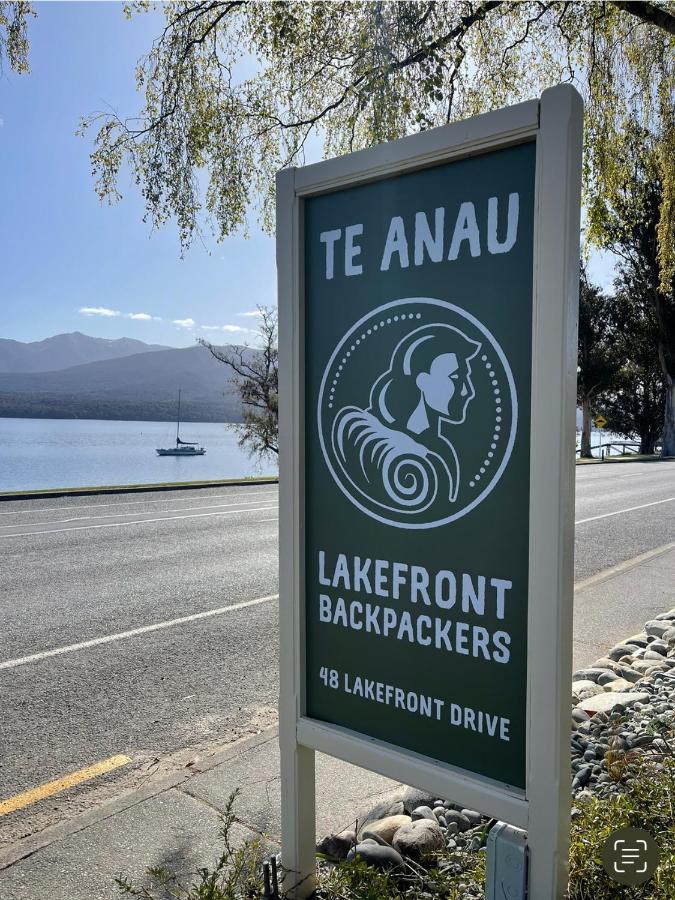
[(630, 856), (417, 413)]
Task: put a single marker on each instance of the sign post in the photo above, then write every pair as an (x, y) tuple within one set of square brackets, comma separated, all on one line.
[(427, 337), (600, 421)]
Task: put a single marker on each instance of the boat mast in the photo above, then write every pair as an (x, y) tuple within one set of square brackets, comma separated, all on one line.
[(178, 419)]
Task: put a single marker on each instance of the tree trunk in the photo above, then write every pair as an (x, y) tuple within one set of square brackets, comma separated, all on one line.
[(586, 428), (668, 446)]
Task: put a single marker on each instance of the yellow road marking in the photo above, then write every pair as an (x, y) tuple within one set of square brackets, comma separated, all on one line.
[(62, 784)]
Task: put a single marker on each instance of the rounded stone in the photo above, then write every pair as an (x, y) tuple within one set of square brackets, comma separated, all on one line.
[(657, 629), (460, 820), (473, 816), (619, 685), (378, 855), (385, 829), (583, 685), (639, 640), (423, 812), (590, 692), (642, 740), (606, 663), (582, 777), (337, 846), (630, 674), (620, 650), (419, 839), (588, 674), (608, 702)]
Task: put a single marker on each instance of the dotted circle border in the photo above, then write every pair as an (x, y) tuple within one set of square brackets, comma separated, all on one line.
[(346, 339)]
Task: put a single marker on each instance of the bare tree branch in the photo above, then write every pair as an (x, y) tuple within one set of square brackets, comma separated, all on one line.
[(256, 380)]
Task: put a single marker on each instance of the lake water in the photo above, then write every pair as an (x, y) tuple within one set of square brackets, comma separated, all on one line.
[(54, 453)]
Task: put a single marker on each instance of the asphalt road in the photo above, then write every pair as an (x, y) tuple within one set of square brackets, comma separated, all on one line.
[(88, 570)]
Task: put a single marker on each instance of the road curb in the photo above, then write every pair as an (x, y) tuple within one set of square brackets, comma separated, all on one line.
[(621, 459), (153, 787), (135, 488)]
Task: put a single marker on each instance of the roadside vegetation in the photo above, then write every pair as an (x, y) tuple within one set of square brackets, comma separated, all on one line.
[(254, 379), (645, 788)]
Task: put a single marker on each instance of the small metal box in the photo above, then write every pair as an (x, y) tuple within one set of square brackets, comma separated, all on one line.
[(506, 870)]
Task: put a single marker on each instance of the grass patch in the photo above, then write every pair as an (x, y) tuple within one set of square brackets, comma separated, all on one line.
[(645, 801), (448, 875)]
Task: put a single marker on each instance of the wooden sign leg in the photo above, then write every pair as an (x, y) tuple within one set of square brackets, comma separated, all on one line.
[(298, 806), (552, 489), (298, 817)]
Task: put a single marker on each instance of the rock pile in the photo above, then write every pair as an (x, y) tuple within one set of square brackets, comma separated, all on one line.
[(414, 827), (619, 705)]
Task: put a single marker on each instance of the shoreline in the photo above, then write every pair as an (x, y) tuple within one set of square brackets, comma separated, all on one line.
[(136, 488)]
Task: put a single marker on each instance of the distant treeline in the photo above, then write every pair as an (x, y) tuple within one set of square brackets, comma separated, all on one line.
[(60, 406)]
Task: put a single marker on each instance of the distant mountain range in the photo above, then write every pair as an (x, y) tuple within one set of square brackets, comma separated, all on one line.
[(76, 376), (65, 350)]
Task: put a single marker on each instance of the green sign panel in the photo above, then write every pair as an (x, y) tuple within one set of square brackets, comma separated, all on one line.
[(418, 333)]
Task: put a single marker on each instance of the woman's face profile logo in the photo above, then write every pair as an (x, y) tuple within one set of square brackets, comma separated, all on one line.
[(417, 413)]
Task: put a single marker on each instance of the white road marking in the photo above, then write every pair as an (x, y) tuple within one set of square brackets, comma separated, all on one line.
[(243, 503), (177, 499), (144, 629), (622, 567), (618, 512), (229, 512)]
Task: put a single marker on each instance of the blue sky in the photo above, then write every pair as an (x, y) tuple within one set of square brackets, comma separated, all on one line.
[(64, 251)]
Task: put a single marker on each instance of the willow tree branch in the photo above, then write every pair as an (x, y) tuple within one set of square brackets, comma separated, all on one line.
[(651, 13)]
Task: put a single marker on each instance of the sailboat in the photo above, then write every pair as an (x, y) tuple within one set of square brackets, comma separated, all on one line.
[(182, 448)]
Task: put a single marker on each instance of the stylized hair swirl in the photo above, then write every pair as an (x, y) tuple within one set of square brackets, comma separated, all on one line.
[(395, 394)]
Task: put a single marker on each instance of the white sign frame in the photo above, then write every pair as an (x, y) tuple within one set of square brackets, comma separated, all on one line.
[(555, 122)]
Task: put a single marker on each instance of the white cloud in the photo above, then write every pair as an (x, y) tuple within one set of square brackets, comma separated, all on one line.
[(143, 317), (99, 311), (228, 329), (254, 313), (184, 323)]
